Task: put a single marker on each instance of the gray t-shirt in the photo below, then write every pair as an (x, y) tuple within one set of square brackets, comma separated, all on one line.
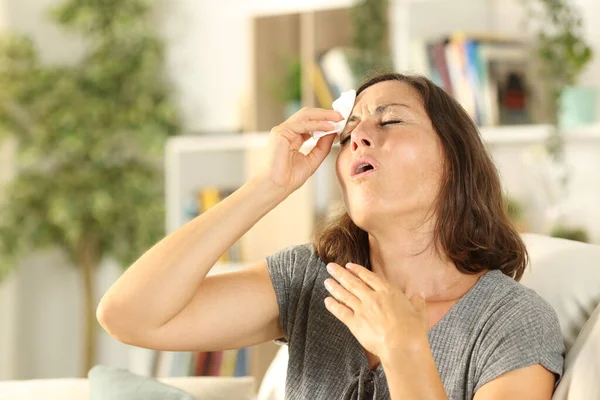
[(499, 325)]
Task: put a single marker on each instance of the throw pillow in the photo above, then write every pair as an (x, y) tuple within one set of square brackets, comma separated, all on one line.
[(109, 383)]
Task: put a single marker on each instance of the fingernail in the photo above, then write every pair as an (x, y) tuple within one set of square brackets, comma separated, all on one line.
[(330, 268)]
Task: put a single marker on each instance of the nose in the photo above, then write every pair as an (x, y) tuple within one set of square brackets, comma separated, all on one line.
[(361, 139)]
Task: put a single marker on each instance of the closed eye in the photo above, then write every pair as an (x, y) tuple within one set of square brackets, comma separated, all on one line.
[(395, 121), (383, 123)]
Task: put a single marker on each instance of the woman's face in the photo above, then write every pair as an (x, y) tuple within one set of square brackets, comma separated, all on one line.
[(389, 124)]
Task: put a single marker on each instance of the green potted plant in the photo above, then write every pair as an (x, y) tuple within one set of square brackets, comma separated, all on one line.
[(564, 53), (571, 233), (90, 141), (288, 88), (516, 212), (370, 50)]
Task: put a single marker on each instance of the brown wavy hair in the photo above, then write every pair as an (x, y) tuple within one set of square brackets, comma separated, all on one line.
[(472, 227)]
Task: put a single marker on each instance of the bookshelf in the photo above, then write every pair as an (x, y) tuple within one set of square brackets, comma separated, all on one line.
[(306, 29)]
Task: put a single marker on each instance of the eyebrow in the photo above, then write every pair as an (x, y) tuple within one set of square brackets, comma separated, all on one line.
[(381, 109)]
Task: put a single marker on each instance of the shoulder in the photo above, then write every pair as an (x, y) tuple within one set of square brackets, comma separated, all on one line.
[(519, 329), (298, 254), (511, 303), (294, 263), (294, 271)]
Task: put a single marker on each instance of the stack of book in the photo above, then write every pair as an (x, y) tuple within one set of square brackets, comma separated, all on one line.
[(213, 363), (489, 75), (202, 200)]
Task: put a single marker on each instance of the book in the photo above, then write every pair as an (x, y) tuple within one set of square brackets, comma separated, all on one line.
[(486, 73), (208, 197), (320, 86), (241, 362), (228, 362), (337, 72), (181, 363), (442, 65), (164, 363), (201, 362), (214, 367)]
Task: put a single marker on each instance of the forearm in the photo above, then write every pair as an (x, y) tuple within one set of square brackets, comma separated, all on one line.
[(165, 278), (412, 373)]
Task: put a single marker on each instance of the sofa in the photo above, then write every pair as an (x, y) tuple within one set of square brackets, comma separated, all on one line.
[(565, 273), (202, 388)]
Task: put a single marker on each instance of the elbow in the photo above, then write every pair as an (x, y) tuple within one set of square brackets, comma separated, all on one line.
[(121, 325), (111, 320)]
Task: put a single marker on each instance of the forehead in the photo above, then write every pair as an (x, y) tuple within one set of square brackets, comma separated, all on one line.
[(388, 92)]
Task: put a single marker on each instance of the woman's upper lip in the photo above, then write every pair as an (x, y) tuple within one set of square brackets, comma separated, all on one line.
[(363, 158)]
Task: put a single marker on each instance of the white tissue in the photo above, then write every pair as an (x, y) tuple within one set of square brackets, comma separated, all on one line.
[(343, 105)]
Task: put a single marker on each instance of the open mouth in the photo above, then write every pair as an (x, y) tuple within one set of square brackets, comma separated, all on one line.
[(363, 167)]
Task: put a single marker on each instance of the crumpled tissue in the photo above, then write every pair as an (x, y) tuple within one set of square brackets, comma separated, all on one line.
[(343, 105)]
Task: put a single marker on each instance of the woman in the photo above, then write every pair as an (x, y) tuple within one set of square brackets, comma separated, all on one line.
[(409, 294)]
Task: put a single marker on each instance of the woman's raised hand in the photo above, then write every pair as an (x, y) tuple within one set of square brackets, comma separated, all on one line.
[(287, 167)]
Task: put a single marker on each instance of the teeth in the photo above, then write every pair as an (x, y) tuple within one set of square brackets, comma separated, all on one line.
[(363, 167)]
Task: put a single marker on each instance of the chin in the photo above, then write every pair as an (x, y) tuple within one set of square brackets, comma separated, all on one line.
[(363, 216)]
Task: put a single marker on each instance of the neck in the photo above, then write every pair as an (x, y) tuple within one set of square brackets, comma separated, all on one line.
[(409, 261)]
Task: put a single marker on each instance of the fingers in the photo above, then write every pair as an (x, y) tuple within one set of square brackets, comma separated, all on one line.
[(308, 126), (368, 277), (320, 151), (341, 294), (419, 302), (349, 281), (316, 114)]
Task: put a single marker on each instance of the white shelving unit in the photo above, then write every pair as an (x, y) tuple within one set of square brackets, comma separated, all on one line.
[(515, 134), (419, 19), (192, 162), (265, 8)]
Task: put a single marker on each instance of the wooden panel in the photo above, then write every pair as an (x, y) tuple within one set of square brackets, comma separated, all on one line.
[(333, 28), (307, 54), (274, 39), (320, 31)]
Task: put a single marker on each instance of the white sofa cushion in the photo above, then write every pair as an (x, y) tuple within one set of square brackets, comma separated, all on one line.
[(203, 387), (567, 275), (582, 365)]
